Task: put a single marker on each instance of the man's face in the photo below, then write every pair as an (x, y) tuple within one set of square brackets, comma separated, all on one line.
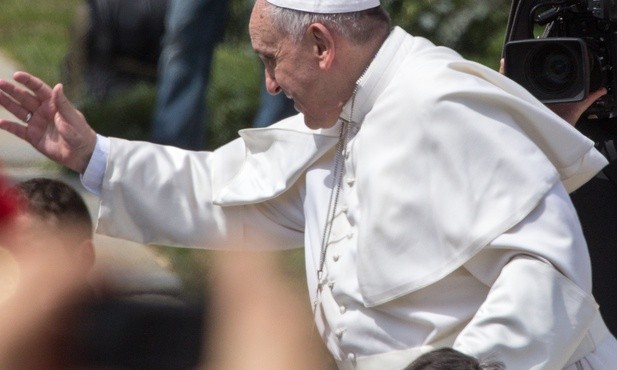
[(293, 69)]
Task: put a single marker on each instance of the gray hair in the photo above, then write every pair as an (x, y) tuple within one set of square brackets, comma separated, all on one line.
[(360, 26)]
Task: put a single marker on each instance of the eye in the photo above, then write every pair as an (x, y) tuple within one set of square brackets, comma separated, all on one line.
[(269, 62)]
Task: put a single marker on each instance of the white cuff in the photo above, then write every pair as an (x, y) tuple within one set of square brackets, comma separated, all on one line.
[(92, 178)]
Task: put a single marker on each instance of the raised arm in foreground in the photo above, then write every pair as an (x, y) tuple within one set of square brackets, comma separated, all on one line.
[(51, 124)]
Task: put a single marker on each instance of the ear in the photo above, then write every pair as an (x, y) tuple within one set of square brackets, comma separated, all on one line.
[(323, 46)]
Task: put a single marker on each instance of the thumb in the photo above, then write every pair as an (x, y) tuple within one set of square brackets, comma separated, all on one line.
[(72, 126), (63, 106)]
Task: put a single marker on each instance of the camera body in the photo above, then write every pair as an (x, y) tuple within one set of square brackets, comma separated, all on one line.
[(576, 53)]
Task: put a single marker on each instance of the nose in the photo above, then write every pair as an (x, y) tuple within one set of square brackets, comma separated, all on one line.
[(272, 86)]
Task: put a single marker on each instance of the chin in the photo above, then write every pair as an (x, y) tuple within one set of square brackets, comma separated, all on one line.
[(310, 124), (315, 124)]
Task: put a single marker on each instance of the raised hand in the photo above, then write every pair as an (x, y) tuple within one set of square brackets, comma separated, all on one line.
[(49, 122)]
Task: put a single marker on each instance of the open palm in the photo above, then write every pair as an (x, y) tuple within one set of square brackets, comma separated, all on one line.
[(51, 124)]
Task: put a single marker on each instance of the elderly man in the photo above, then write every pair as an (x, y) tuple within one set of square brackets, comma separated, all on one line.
[(430, 192)]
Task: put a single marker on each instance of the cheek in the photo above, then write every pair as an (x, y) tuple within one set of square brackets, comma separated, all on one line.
[(297, 76), (290, 78)]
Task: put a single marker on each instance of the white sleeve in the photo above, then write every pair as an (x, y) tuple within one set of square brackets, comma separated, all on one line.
[(92, 178), (539, 306), (156, 194)]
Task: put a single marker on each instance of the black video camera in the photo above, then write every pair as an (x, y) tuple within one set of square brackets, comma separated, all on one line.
[(575, 54)]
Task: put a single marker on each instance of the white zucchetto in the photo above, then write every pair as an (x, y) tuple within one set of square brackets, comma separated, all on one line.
[(326, 6)]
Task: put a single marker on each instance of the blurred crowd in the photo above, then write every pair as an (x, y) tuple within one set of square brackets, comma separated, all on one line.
[(54, 315)]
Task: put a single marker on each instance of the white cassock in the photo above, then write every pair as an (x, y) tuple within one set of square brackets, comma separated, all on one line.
[(451, 225)]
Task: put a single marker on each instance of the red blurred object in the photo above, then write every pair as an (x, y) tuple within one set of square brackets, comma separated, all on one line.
[(8, 202)]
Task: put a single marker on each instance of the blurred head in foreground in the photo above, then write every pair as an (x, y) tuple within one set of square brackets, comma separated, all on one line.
[(451, 359), (38, 282), (53, 217)]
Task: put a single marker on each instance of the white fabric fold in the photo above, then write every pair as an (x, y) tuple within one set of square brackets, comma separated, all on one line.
[(275, 157), (537, 327)]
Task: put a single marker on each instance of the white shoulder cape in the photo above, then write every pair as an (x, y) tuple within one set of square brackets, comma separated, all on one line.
[(450, 167)]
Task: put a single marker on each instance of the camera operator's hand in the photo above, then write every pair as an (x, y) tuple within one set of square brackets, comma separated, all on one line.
[(570, 112), (52, 125)]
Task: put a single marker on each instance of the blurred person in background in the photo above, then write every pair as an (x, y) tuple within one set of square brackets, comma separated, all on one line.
[(193, 29)]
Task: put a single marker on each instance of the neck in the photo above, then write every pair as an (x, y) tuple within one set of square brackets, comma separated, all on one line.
[(356, 61)]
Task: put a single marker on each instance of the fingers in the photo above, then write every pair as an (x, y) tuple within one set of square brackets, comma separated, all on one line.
[(595, 95), (25, 98), (582, 106), (13, 106), (572, 112), (20, 102), (39, 88), (14, 128), (71, 124)]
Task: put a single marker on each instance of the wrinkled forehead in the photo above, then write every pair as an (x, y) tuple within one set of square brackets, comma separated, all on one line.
[(265, 37), (260, 22)]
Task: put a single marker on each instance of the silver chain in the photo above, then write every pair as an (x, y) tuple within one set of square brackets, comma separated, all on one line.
[(337, 173), (334, 195)]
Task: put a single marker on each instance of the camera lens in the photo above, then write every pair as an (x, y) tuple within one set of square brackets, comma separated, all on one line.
[(553, 68)]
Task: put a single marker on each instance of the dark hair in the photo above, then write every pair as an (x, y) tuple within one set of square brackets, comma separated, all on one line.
[(451, 359), (58, 202)]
